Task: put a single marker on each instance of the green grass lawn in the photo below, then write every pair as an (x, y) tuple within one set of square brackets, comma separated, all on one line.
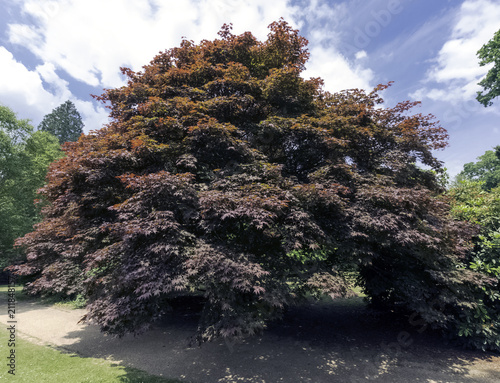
[(56, 301), (20, 296), (40, 364)]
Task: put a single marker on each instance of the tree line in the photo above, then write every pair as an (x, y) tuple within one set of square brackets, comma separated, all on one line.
[(25, 156)]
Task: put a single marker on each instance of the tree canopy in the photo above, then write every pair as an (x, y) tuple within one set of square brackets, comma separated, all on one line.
[(471, 202), (490, 54), (64, 122), (224, 173), (486, 169), (25, 155)]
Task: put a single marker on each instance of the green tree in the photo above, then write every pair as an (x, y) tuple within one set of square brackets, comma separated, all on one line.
[(25, 155), (486, 169), (226, 174), (490, 54), (470, 202), (64, 122)]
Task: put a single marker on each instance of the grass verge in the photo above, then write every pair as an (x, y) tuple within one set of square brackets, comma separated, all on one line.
[(64, 303), (20, 295), (40, 364)]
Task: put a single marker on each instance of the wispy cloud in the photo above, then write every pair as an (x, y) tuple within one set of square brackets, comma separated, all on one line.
[(87, 41), (325, 22), (454, 75), (56, 50), (91, 39), (21, 86), (337, 72), (37, 92)]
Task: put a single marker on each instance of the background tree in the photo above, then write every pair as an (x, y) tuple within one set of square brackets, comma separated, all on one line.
[(486, 170), (471, 202), (24, 158), (490, 53), (64, 122), (225, 174)]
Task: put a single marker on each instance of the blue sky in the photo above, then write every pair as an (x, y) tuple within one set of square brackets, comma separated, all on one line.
[(55, 50)]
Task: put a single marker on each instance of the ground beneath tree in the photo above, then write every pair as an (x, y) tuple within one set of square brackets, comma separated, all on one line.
[(341, 342)]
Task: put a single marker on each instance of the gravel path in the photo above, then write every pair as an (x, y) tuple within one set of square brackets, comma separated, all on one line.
[(316, 344)]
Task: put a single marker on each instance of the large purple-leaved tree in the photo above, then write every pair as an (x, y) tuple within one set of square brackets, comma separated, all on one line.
[(225, 174)]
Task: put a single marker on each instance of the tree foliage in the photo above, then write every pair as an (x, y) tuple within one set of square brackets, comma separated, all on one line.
[(490, 54), (64, 122), (486, 170), (25, 155), (223, 172), (470, 202)]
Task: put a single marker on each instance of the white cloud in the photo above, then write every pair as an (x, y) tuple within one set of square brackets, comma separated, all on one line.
[(93, 117), (337, 72), (87, 41), (361, 55), (91, 39), (23, 91), (48, 73), (456, 71), (21, 88), (325, 22)]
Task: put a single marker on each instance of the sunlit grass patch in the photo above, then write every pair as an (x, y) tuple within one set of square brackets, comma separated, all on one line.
[(40, 364)]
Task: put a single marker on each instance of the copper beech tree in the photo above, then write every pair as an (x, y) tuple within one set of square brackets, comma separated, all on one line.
[(226, 174)]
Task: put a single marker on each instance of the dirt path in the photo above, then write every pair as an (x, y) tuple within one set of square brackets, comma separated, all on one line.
[(316, 344)]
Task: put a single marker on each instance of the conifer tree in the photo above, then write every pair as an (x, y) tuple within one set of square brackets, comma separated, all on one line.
[(64, 122)]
